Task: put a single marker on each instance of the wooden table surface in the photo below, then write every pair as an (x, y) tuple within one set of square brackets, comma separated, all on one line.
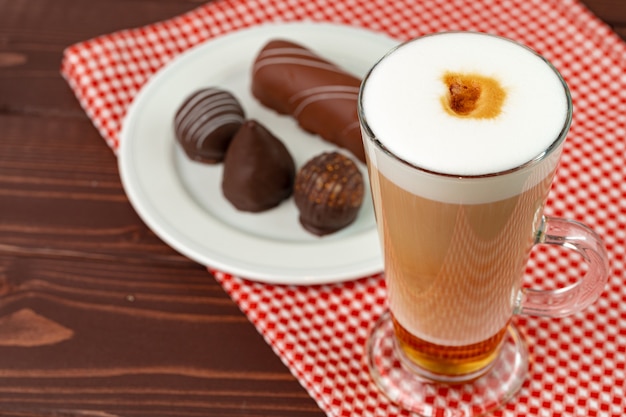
[(98, 317)]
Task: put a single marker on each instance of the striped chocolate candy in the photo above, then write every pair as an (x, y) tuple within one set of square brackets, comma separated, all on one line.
[(206, 123)]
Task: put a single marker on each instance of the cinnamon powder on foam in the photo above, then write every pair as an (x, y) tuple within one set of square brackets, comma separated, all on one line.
[(472, 96)]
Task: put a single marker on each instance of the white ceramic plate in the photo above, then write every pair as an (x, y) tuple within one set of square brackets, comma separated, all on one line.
[(182, 201)]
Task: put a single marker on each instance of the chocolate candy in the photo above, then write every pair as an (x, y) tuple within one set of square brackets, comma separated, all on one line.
[(258, 169), (321, 96), (206, 123), (328, 193)]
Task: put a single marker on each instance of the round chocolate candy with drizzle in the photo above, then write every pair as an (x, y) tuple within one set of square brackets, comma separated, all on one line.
[(206, 122), (328, 193)]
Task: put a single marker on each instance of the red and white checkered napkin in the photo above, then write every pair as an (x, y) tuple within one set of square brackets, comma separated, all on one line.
[(578, 363)]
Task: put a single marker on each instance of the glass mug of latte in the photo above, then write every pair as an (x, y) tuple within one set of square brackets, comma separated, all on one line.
[(463, 132)]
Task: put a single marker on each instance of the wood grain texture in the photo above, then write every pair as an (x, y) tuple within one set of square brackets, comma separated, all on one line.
[(98, 317)]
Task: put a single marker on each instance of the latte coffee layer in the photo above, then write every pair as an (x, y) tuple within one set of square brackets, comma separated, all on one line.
[(453, 270)]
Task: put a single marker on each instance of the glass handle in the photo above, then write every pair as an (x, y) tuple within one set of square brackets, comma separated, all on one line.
[(576, 297)]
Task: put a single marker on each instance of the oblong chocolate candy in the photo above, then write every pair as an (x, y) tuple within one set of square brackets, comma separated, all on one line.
[(320, 95)]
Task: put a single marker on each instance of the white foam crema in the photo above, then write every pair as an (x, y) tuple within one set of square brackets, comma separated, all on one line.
[(473, 160)]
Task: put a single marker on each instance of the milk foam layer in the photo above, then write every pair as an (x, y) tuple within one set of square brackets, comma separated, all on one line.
[(401, 105)]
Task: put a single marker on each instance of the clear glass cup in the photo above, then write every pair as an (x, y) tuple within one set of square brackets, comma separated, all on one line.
[(455, 251)]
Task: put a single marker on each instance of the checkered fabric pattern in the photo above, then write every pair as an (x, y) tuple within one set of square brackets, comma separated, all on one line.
[(578, 364)]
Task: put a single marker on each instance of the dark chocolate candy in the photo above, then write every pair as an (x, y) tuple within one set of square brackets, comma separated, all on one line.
[(321, 96), (258, 169), (328, 193), (206, 123)]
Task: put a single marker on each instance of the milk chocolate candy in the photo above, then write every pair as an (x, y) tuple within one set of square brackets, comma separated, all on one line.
[(321, 96), (258, 169), (328, 193), (206, 122)]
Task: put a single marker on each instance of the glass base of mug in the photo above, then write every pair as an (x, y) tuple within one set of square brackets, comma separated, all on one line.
[(413, 390)]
